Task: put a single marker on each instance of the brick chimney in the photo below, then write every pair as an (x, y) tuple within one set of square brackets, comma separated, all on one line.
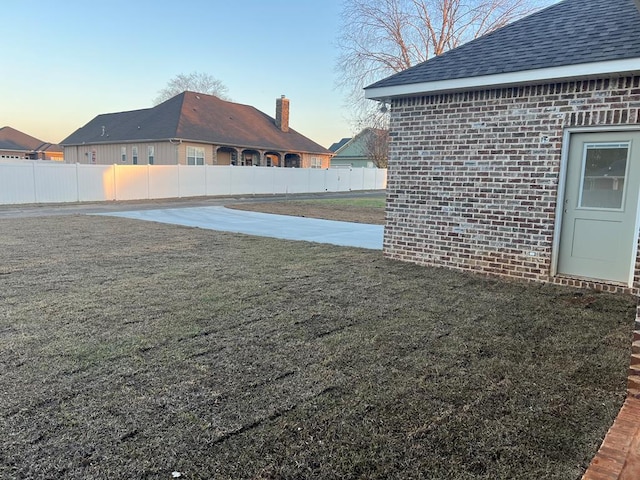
[(282, 113)]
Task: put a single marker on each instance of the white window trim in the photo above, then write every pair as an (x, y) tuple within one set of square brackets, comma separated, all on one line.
[(195, 156)]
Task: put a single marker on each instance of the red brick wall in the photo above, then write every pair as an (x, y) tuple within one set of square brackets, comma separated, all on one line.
[(473, 176)]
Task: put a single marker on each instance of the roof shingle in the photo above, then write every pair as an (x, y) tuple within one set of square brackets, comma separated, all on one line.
[(196, 117), (12, 139), (337, 145)]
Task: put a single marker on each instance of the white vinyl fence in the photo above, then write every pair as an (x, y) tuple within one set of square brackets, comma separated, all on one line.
[(43, 182)]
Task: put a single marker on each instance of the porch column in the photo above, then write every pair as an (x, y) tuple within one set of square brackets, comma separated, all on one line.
[(214, 158)]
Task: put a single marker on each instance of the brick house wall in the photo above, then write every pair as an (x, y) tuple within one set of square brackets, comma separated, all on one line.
[(473, 176)]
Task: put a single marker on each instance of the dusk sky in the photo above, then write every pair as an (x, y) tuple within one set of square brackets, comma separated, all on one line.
[(68, 61)]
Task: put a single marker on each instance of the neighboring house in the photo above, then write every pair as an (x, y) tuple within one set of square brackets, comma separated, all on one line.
[(360, 151), (335, 146), (15, 145), (518, 153), (195, 129)]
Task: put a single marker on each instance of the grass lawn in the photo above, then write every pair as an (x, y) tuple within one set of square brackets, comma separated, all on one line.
[(134, 350)]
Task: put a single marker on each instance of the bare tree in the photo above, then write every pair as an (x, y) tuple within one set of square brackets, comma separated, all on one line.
[(374, 130), (195, 82), (376, 146), (381, 37)]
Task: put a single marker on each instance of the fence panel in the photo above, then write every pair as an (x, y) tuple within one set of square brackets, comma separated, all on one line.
[(96, 183), (317, 180), (193, 180), (164, 181), (242, 180), (297, 180), (357, 179), (264, 180), (55, 183), (369, 176), (280, 183), (17, 183), (36, 182), (332, 180), (218, 180), (381, 179), (132, 182)]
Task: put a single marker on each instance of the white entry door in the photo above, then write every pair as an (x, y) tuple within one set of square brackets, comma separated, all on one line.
[(598, 236)]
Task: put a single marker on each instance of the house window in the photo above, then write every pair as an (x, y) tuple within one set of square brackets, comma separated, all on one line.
[(151, 154), (316, 162), (134, 155), (123, 154), (604, 171), (195, 156)]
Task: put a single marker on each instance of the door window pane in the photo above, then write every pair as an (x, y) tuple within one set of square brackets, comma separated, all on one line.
[(603, 175)]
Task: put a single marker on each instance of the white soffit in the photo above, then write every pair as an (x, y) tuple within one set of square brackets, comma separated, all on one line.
[(618, 67)]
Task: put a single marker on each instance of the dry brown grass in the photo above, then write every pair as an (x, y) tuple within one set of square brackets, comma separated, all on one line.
[(133, 350), (367, 209)]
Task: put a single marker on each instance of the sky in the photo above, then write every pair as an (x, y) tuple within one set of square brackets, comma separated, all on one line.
[(67, 61)]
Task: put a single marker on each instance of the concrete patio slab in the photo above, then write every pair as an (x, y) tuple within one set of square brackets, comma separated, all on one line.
[(285, 227)]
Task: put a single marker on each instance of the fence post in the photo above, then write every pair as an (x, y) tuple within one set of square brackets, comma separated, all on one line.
[(115, 182), (253, 180), (179, 182), (77, 184), (35, 184)]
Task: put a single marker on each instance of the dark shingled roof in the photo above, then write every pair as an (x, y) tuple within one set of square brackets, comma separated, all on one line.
[(336, 146), (196, 117), (567, 33), (15, 140)]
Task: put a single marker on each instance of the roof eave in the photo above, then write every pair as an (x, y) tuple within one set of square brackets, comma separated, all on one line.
[(113, 142), (541, 75), (187, 140), (24, 150), (255, 147)]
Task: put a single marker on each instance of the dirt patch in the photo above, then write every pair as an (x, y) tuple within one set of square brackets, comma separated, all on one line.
[(324, 210), (134, 350)]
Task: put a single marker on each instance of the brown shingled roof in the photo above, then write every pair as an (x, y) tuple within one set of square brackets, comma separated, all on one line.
[(12, 139), (195, 117)]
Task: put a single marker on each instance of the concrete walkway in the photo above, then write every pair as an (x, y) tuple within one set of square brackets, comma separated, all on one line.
[(266, 225)]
